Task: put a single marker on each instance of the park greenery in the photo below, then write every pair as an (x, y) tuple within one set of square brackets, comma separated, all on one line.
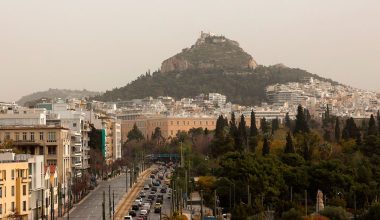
[(278, 167)]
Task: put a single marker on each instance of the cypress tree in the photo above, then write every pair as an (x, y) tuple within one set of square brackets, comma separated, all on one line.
[(337, 130), (275, 125), (372, 130), (253, 129), (242, 133), (219, 126), (289, 147), (233, 127), (264, 125), (326, 118), (266, 148), (350, 130), (301, 123), (287, 120)]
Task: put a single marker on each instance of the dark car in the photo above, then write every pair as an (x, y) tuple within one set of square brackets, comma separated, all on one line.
[(132, 213), (135, 207), (152, 197), (163, 190), (154, 189), (152, 176)]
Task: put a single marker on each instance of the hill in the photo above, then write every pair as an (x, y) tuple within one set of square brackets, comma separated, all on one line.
[(212, 64), (28, 100)]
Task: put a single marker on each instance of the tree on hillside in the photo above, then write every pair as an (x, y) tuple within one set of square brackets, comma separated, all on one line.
[(372, 130), (253, 129), (301, 123), (242, 133), (219, 129), (337, 130), (135, 134), (287, 120), (289, 147), (326, 116), (266, 147)]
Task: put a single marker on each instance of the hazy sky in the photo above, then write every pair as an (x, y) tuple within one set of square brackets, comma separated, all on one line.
[(99, 45)]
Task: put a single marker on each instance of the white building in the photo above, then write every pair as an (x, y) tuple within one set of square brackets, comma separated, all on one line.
[(22, 116)]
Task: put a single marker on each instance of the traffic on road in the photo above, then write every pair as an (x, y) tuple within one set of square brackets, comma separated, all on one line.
[(153, 200)]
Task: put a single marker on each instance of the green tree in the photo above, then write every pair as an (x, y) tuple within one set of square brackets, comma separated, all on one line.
[(266, 147), (289, 147), (219, 130), (135, 134), (301, 123), (351, 131), (253, 129), (242, 133), (372, 130), (337, 130), (292, 214), (373, 213), (275, 125), (378, 121)]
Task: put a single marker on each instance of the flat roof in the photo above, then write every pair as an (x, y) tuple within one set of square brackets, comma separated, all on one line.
[(31, 127)]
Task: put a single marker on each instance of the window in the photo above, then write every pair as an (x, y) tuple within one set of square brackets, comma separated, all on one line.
[(13, 191), (51, 137), (51, 162), (13, 174), (177, 122), (1, 209), (24, 190), (7, 136), (24, 206), (17, 136), (32, 136), (24, 136), (41, 136), (13, 206), (74, 125), (1, 192), (52, 150)]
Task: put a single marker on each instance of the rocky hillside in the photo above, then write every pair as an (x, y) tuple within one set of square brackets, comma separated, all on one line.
[(210, 52), (54, 94), (212, 64)]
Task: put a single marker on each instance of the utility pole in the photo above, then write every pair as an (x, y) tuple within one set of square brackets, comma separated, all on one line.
[(215, 203), (109, 201), (113, 204), (126, 179), (249, 196), (69, 195), (201, 204), (42, 204), (51, 203), (291, 193), (306, 202), (181, 155), (104, 206), (36, 209)]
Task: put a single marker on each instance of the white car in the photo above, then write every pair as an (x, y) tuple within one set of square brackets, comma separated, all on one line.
[(146, 187), (128, 217), (144, 212), (138, 201)]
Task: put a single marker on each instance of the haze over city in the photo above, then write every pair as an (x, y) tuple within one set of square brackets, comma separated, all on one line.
[(99, 45)]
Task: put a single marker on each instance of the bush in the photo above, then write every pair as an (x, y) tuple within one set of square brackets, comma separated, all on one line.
[(335, 213), (291, 214)]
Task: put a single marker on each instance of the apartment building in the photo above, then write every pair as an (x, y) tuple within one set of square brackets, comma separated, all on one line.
[(53, 142), (14, 189), (22, 116)]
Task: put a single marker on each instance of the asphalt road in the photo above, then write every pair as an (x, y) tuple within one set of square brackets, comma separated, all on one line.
[(91, 207)]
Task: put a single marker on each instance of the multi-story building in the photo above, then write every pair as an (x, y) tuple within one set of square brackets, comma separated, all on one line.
[(116, 139), (169, 126), (53, 142), (22, 116), (14, 189), (51, 191)]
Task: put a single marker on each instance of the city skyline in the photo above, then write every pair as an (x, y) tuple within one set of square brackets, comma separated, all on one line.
[(99, 46)]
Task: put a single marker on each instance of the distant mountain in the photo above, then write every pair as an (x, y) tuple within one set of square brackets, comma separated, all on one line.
[(212, 64), (30, 100)]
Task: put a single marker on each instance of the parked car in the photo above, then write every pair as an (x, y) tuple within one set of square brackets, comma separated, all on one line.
[(135, 207), (128, 217), (144, 212), (157, 208), (146, 187), (163, 190)]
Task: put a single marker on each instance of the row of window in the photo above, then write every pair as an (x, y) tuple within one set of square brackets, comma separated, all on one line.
[(24, 207), (12, 191), (30, 136), (19, 172)]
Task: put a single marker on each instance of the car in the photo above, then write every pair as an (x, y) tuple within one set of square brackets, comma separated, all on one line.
[(144, 212), (128, 217), (142, 195), (142, 217), (157, 208), (152, 197), (135, 207), (138, 202), (163, 190), (132, 213), (150, 201), (152, 176), (159, 200), (146, 187), (154, 189), (160, 196)]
